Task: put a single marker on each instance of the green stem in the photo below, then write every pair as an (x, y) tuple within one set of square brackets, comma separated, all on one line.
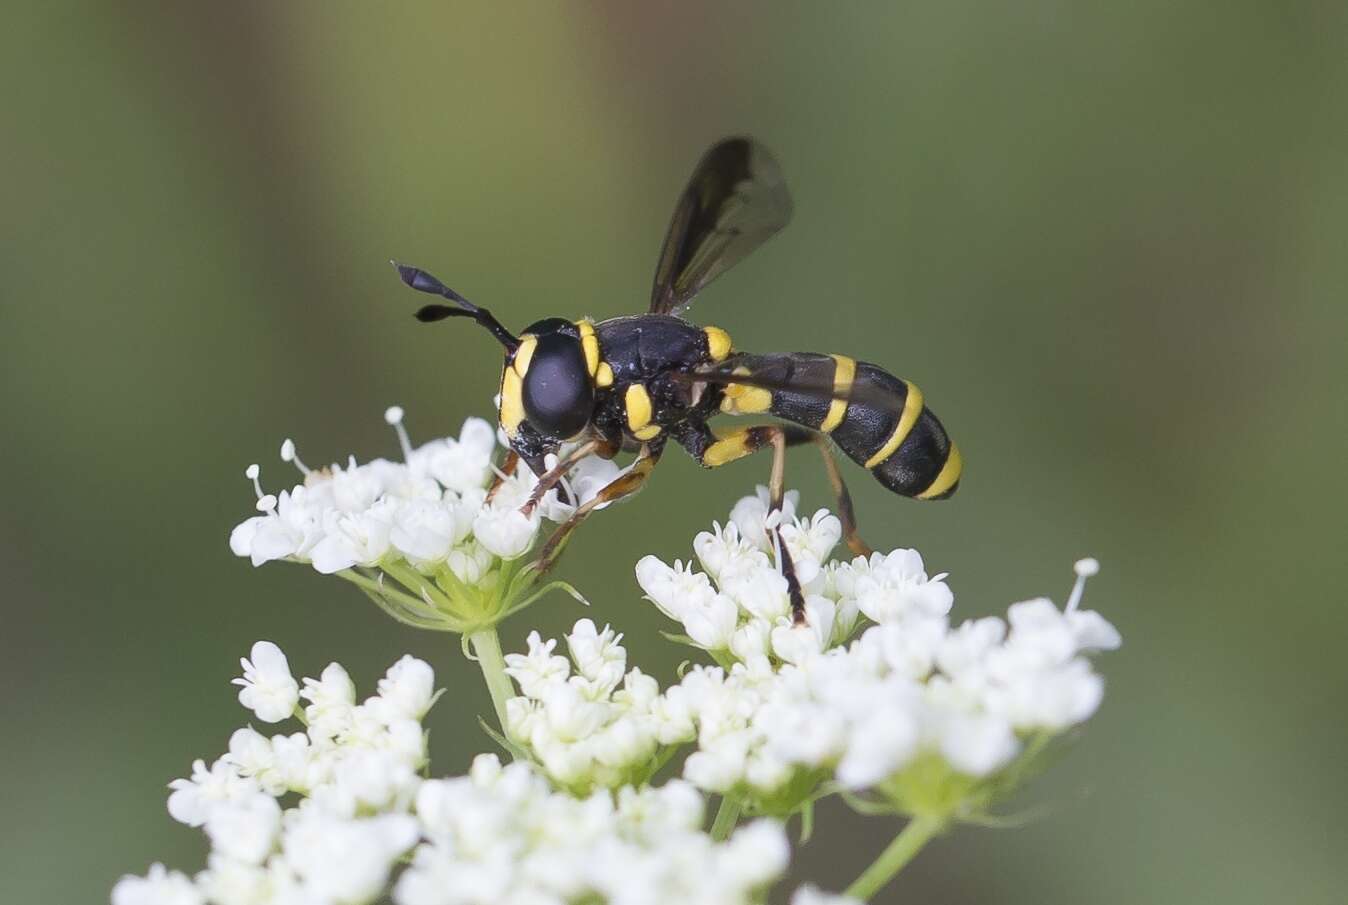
[(487, 647), (906, 845), (726, 818)]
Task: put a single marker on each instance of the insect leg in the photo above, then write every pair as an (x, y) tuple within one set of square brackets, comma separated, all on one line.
[(776, 492), (712, 450), (549, 480), (624, 485), (846, 515), (512, 461)]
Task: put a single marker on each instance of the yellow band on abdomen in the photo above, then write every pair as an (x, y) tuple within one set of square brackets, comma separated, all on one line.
[(950, 473), (912, 407), (844, 371)]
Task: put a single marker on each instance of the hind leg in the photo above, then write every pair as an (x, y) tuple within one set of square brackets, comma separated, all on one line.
[(846, 515)]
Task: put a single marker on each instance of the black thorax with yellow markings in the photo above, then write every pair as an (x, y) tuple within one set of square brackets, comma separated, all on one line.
[(624, 381)]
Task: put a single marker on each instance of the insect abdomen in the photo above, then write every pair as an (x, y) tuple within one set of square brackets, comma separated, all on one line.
[(901, 441)]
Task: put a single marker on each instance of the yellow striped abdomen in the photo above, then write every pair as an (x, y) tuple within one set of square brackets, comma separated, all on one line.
[(885, 427)]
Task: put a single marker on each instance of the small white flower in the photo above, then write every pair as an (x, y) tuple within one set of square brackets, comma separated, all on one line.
[(505, 531), (810, 894), (462, 464), (753, 518), (425, 531), (192, 800), (911, 647), (539, 669), (978, 745), (250, 752), (796, 643), (342, 860), (245, 830), (359, 538), (406, 691), (267, 688), (763, 593), (331, 697), (879, 747), (158, 887), (589, 476), (889, 587), (758, 853), (722, 551), (229, 882), (470, 562), (598, 655), (751, 640), (711, 621), (810, 541)]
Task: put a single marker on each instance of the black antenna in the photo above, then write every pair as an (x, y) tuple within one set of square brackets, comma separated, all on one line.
[(422, 281)]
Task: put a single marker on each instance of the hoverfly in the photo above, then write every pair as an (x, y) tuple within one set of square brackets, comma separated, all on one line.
[(633, 383)]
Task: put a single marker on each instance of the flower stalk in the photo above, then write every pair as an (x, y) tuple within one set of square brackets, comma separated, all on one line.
[(486, 645), (904, 847), (727, 815)]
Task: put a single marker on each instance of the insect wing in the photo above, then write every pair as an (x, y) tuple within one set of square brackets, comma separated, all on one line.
[(756, 372), (735, 201)]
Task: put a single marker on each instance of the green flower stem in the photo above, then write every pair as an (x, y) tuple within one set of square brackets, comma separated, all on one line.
[(726, 817), (487, 648), (906, 845)]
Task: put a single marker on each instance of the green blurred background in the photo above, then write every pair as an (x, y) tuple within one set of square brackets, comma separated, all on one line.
[(1108, 242)]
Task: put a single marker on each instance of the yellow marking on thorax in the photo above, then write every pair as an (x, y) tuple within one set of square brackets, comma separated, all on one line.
[(745, 400), (638, 405), (524, 354), (590, 343), (950, 473), (718, 343), (649, 432), (844, 371), (912, 407), (512, 400), (603, 375)]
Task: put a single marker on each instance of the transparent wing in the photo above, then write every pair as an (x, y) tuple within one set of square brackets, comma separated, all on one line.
[(735, 201)]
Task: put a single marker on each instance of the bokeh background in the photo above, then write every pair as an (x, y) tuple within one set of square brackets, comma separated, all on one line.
[(1107, 240)]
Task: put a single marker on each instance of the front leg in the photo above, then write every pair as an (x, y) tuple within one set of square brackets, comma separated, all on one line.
[(549, 480), (626, 484)]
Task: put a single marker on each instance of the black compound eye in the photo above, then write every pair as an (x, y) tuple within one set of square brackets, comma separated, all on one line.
[(558, 395)]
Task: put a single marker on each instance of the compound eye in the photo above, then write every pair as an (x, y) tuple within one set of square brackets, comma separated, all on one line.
[(558, 395)]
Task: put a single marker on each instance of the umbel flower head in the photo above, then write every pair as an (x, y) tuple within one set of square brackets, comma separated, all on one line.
[(917, 715), (877, 695), (423, 537), (340, 813)]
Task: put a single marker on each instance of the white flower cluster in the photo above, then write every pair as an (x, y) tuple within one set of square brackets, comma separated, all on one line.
[(500, 835), (793, 705), (365, 825), (356, 768), (596, 727), (738, 607), (425, 521)]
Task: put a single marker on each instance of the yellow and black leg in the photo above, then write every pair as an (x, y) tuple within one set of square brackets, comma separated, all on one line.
[(626, 484), (712, 451)]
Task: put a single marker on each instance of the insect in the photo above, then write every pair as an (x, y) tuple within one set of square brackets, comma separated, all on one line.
[(634, 383)]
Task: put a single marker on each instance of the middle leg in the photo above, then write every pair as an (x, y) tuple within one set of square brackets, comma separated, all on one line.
[(713, 451)]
